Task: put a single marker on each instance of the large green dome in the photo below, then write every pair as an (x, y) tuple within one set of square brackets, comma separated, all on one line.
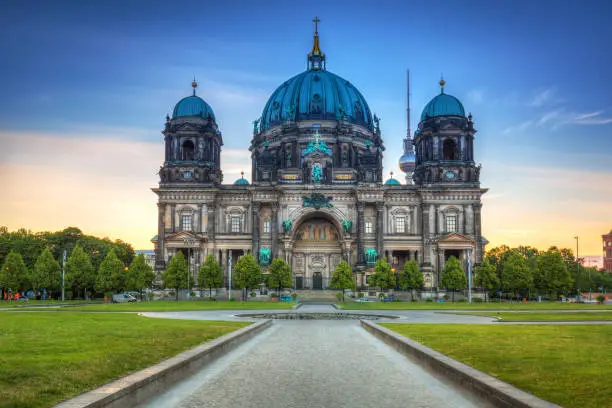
[(443, 105), (316, 95)]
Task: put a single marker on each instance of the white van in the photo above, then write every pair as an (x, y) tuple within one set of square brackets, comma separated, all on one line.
[(123, 298)]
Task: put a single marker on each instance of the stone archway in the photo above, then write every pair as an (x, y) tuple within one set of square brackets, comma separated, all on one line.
[(316, 249)]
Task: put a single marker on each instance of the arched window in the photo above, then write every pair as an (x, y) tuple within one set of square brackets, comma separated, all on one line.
[(187, 150), (449, 150)]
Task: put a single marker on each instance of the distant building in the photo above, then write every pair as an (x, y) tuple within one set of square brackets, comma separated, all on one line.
[(592, 261), (607, 250), (149, 256)]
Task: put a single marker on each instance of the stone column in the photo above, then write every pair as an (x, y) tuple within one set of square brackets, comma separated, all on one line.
[(411, 255), (440, 221), (380, 207), (460, 223), (440, 265), (360, 233), (200, 217), (477, 233), (224, 264), (173, 216), (274, 230), (160, 262), (425, 235), (255, 230)]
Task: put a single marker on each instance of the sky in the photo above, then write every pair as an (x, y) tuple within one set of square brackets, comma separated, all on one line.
[(86, 86)]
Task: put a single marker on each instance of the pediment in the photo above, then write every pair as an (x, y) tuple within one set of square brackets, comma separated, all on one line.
[(179, 236), (455, 237)]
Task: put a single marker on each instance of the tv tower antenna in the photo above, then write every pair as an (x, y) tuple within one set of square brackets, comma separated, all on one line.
[(407, 162)]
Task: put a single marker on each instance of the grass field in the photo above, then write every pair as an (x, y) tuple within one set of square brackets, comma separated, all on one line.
[(171, 305), (37, 303), (548, 316), (470, 306), (48, 357), (568, 365)]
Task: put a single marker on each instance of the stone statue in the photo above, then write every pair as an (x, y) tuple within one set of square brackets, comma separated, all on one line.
[(376, 124), (291, 113), (288, 158), (316, 174), (287, 224)]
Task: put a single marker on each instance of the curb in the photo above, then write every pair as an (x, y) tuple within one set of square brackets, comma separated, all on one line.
[(493, 390), (138, 387)]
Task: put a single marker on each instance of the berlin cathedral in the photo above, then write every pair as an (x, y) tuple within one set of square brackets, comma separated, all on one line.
[(317, 194)]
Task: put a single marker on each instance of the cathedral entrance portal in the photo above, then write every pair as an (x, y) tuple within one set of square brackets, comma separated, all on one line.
[(317, 280), (316, 252)]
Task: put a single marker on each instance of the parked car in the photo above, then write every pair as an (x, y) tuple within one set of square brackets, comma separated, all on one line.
[(123, 298)]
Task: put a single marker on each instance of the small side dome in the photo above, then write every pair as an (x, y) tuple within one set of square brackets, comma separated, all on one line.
[(443, 105), (193, 106), (241, 181), (392, 181)]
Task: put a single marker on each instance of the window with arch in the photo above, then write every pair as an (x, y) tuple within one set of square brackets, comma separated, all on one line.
[(187, 222), (449, 150), (451, 223), (235, 224), (187, 150)]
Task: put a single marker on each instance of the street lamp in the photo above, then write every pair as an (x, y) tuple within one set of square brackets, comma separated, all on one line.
[(189, 242)]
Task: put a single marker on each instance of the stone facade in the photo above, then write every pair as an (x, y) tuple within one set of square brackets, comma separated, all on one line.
[(607, 251)]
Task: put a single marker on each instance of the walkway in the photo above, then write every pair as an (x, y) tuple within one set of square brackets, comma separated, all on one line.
[(315, 363)]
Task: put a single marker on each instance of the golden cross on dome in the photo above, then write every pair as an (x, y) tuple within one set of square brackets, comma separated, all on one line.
[(316, 21)]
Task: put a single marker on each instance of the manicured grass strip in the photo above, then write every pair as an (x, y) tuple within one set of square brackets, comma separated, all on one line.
[(48, 357), (39, 303), (468, 306), (568, 365), (548, 316), (181, 305)]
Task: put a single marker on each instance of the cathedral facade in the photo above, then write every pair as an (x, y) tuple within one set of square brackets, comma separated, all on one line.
[(317, 194)]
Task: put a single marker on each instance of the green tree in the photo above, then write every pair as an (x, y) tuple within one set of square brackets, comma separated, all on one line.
[(111, 275), (211, 275), (139, 275), (175, 275), (410, 278), (516, 276), (383, 275), (14, 272), (47, 273), (453, 275), (279, 275), (80, 273), (486, 278), (342, 278), (247, 273), (551, 275)]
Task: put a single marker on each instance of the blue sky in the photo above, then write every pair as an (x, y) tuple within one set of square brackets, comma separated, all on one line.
[(535, 75)]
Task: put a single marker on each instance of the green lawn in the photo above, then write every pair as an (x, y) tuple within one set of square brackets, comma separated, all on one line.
[(548, 316), (37, 303), (171, 305), (468, 306), (48, 357), (568, 365)]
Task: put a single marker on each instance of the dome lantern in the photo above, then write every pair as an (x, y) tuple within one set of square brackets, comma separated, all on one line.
[(443, 105), (193, 106), (316, 58)]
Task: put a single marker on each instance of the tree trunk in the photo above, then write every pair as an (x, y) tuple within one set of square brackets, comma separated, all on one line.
[(453, 295), (177, 294)]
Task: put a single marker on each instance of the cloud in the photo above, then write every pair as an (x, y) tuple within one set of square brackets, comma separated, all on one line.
[(589, 118), (543, 97)]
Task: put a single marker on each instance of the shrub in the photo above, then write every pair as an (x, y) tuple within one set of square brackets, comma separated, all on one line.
[(461, 301), (294, 296), (339, 296), (601, 298), (360, 295), (446, 297), (252, 294), (429, 300), (171, 294), (477, 300)]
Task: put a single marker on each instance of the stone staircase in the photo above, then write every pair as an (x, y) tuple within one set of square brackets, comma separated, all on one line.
[(317, 296)]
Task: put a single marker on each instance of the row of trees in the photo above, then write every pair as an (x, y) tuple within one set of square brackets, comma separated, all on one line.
[(81, 276), (247, 274), (526, 270)]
